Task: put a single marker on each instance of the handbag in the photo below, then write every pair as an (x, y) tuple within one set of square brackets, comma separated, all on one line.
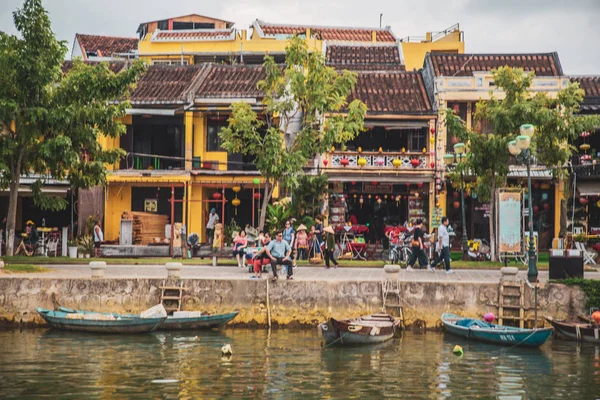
[(415, 243)]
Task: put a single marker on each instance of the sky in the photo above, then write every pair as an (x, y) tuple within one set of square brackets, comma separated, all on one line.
[(569, 27)]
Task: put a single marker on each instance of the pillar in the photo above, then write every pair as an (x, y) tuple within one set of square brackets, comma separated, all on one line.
[(559, 195), (189, 132)]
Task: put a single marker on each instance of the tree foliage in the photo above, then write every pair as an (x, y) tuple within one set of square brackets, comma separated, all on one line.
[(556, 124), (304, 92), (48, 119)]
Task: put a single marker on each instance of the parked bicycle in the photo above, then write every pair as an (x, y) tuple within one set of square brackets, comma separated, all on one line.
[(398, 253)]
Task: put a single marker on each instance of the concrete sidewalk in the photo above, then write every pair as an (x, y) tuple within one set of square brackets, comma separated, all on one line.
[(301, 273)]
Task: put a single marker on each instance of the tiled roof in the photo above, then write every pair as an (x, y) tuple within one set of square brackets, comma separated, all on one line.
[(231, 81), (364, 57), (196, 34), (115, 66), (392, 93), (326, 32), (106, 46), (166, 84), (444, 64), (591, 87)]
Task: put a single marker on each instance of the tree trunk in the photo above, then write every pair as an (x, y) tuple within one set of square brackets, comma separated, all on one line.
[(266, 199), (11, 218), (492, 221)]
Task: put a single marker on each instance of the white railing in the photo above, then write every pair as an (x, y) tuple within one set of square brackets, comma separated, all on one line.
[(378, 160)]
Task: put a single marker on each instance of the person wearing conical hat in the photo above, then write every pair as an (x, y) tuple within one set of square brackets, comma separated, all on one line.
[(329, 246), (301, 243)]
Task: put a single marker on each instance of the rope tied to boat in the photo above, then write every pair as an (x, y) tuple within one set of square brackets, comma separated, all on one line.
[(335, 341)]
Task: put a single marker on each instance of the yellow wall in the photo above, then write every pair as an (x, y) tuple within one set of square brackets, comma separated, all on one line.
[(118, 200), (414, 53)]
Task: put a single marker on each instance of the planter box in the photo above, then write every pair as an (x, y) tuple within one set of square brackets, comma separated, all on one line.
[(73, 252)]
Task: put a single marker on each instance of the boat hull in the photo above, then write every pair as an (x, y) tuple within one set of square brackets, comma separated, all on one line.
[(472, 329), (202, 322), (58, 320), (171, 323), (356, 332), (569, 330)]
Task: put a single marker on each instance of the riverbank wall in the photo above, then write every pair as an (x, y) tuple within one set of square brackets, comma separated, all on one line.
[(289, 303)]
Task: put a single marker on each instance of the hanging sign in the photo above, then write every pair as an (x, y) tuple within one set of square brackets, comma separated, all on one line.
[(151, 205), (509, 222), (377, 187)]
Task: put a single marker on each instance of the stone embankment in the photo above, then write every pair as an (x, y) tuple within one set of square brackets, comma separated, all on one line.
[(291, 303)]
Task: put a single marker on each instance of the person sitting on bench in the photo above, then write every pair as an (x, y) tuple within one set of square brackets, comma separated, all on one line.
[(30, 238), (279, 251)]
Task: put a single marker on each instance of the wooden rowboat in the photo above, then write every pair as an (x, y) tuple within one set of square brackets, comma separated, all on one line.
[(581, 332), (370, 329), (206, 321), (98, 322), (475, 329)]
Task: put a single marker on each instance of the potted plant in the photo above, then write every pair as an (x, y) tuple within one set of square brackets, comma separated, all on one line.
[(72, 245), (86, 245)]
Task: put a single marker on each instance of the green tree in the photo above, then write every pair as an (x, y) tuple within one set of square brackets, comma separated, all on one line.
[(305, 88), (556, 124), (47, 118)]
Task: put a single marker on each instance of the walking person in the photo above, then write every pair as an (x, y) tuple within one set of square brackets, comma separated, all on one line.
[(239, 248), (417, 248), (98, 238), (289, 235), (317, 233), (301, 243), (213, 218), (279, 251), (444, 245), (329, 247)]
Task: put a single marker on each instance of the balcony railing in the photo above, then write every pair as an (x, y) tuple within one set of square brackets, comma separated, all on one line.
[(384, 160)]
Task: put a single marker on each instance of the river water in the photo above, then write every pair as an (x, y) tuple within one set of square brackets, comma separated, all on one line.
[(286, 364)]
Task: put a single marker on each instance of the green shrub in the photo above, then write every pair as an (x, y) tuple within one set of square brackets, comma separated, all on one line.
[(590, 287)]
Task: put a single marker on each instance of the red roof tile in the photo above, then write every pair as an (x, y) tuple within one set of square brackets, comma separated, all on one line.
[(197, 34), (327, 32), (166, 84), (591, 87), (231, 81), (106, 46), (444, 64), (392, 93), (364, 58), (115, 66)]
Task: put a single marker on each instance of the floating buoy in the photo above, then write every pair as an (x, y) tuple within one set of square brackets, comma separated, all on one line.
[(489, 317), (227, 350), (458, 350)]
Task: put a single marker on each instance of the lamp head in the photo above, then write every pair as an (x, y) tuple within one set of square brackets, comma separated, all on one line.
[(527, 130), (513, 149), (459, 148), (448, 159), (523, 142)]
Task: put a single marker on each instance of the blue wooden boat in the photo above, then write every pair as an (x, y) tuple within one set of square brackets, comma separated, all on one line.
[(120, 324), (172, 323), (475, 329)]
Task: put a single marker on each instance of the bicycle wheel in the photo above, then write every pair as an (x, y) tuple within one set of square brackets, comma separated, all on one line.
[(406, 254), (385, 255)]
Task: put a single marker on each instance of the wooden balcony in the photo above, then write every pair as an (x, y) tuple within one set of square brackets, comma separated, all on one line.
[(379, 161)]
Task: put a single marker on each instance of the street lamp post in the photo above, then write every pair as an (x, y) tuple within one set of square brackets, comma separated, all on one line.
[(520, 149), (450, 159)]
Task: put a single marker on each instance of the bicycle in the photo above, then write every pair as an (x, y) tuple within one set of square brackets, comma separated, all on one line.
[(397, 254)]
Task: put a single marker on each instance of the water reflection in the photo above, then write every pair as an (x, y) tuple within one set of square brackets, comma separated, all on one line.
[(287, 364)]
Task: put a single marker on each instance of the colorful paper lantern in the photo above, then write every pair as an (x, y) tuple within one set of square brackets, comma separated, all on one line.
[(536, 209), (235, 202), (584, 147), (420, 185), (379, 161), (362, 162), (359, 149), (432, 130), (432, 164), (583, 201), (325, 162), (438, 187), (415, 162), (397, 162), (456, 204), (403, 150), (544, 196), (236, 189), (455, 195), (257, 196), (546, 206), (380, 149), (256, 181), (344, 161), (216, 196)]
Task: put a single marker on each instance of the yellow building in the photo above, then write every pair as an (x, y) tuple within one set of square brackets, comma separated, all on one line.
[(458, 81), (414, 48)]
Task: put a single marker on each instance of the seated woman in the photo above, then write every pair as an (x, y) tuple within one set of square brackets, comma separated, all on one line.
[(261, 258), (30, 239), (239, 247)]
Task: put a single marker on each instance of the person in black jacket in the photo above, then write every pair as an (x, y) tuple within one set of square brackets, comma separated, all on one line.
[(418, 251)]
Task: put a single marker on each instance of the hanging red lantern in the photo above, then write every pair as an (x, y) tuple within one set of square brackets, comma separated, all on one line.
[(420, 185), (415, 162), (432, 164), (374, 183), (376, 197), (583, 201), (536, 209), (456, 205), (325, 162), (216, 196), (353, 183), (536, 185), (432, 130), (546, 206), (257, 196), (344, 161), (455, 195)]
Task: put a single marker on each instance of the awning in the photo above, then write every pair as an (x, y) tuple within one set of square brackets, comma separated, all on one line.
[(536, 173), (589, 188)]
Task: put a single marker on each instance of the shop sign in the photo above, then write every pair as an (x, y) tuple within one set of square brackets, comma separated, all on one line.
[(509, 222), (151, 205), (386, 188)]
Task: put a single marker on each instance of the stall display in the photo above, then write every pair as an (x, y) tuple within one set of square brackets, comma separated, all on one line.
[(337, 212), (416, 209)]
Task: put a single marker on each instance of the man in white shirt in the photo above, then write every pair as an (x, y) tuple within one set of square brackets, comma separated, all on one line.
[(213, 218), (444, 245)]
